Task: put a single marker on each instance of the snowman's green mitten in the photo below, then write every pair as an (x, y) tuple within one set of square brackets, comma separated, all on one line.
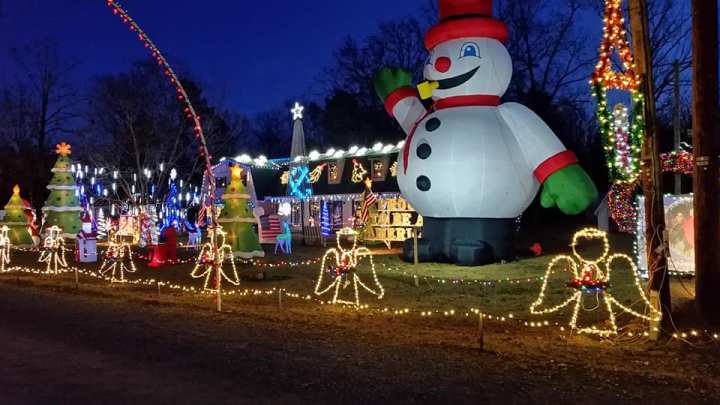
[(570, 189), (388, 80)]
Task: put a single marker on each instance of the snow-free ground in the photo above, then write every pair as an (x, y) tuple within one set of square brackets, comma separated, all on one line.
[(106, 343)]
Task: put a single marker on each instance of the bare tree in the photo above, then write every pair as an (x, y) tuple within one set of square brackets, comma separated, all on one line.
[(551, 53), (38, 108), (136, 124), (46, 90), (397, 43)]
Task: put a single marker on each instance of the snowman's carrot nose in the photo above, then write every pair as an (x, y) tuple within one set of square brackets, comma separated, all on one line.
[(425, 89)]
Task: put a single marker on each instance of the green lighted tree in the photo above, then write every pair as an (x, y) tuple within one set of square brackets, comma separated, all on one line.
[(62, 205), (16, 220), (237, 219)]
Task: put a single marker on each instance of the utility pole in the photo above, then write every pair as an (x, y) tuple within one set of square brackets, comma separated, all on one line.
[(677, 125), (706, 148), (651, 176)]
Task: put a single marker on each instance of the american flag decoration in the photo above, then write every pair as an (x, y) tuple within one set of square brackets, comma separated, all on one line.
[(369, 198)]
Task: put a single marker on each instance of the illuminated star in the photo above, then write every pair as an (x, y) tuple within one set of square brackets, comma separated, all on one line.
[(368, 183), (297, 111), (236, 172)]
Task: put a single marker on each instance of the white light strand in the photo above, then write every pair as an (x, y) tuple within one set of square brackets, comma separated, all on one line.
[(117, 255), (592, 281), (5, 246), (53, 252), (209, 264), (345, 271)]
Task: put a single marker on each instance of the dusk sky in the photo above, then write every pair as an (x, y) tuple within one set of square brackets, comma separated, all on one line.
[(250, 56)]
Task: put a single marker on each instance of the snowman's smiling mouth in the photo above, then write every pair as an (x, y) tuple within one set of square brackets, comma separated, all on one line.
[(452, 82)]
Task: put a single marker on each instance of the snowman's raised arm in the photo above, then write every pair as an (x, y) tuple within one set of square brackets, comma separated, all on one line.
[(542, 150), (405, 106)]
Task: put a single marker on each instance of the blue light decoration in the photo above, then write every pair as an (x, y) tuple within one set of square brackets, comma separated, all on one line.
[(325, 225), (299, 182), (171, 207)]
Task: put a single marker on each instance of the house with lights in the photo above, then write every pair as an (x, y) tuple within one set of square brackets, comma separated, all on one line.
[(297, 189)]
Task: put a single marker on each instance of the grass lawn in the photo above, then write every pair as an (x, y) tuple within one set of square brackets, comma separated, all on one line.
[(500, 289)]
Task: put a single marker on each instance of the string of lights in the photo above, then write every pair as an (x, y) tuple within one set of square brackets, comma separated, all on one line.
[(344, 270), (5, 246), (622, 135), (679, 335), (118, 260), (590, 281), (53, 251), (462, 281), (678, 162), (210, 262)]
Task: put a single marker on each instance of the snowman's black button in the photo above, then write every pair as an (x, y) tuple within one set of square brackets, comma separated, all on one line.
[(423, 183), (424, 151), (432, 124)]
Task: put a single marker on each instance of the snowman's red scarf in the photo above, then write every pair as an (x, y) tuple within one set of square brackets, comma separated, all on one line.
[(450, 102)]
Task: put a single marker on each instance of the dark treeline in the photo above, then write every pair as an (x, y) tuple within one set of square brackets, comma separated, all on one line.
[(133, 121)]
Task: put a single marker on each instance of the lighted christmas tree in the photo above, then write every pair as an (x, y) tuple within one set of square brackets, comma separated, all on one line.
[(62, 206), (102, 226), (171, 207), (16, 220), (325, 224), (237, 219)]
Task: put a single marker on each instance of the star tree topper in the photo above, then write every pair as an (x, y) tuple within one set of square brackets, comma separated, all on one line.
[(297, 112)]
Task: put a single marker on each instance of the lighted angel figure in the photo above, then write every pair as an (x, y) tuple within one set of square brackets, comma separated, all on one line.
[(4, 247), (589, 286), (53, 251), (210, 262), (118, 258), (343, 267)]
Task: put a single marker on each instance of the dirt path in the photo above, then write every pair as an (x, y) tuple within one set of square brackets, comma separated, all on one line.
[(59, 347)]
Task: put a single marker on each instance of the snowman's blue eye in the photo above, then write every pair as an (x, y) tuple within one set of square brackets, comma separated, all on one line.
[(469, 49)]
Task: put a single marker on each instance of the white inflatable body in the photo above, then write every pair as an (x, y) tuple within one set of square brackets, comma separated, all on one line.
[(479, 160), (479, 165), (470, 166)]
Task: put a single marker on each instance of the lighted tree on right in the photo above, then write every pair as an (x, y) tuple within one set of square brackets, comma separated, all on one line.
[(621, 133)]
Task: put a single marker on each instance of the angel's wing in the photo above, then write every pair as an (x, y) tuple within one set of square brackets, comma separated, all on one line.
[(331, 258), (626, 286), (554, 293), (377, 288), (232, 276), (197, 273)]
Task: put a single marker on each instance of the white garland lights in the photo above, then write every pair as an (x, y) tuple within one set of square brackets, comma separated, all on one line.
[(209, 263), (589, 279), (118, 253), (4, 247), (680, 335), (53, 251), (344, 271)]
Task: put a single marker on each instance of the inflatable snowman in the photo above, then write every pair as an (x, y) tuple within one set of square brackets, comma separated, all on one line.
[(471, 165)]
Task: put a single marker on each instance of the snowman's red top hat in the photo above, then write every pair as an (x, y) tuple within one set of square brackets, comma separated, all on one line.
[(465, 18)]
